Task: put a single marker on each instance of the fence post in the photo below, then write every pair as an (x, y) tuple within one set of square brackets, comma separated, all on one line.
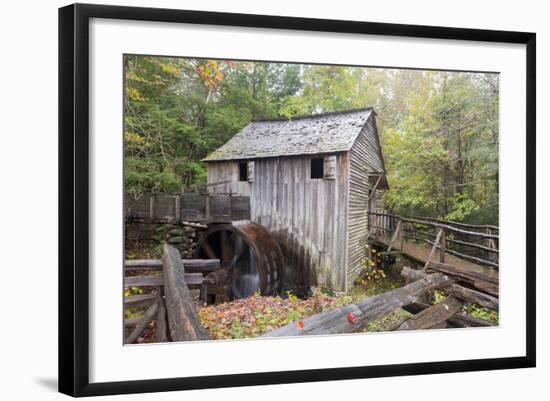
[(491, 244), (401, 237), (442, 246)]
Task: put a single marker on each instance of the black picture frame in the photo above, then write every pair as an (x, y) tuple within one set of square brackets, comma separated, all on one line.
[(74, 198)]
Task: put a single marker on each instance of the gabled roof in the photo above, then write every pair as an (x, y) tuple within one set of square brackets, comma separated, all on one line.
[(314, 134)]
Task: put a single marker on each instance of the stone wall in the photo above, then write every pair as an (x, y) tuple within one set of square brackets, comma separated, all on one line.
[(184, 236)]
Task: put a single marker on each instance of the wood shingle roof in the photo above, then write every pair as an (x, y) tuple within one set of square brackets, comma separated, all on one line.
[(314, 134)]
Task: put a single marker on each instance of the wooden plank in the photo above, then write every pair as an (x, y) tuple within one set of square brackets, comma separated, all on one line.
[(354, 317), (462, 320), (161, 330), (450, 228), (431, 219), (132, 321), (139, 299), (139, 208), (193, 207), (442, 247), (165, 208), (131, 264), (220, 208), (183, 321), (469, 257), (240, 207), (142, 325), (144, 281), (394, 236), (191, 265), (482, 278), (478, 246), (158, 280), (434, 247), (433, 316), (457, 320), (456, 290)]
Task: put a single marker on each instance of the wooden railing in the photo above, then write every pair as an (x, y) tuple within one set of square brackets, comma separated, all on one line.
[(475, 243), (188, 207)]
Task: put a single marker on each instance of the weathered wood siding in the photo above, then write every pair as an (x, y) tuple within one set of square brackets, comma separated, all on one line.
[(219, 172), (307, 216), (364, 159)]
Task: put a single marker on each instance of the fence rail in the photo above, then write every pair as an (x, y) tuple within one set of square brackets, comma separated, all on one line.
[(475, 243)]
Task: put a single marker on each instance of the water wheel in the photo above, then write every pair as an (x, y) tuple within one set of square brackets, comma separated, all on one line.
[(250, 257)]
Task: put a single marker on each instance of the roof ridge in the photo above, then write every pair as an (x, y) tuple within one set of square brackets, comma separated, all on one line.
[(306, 116)]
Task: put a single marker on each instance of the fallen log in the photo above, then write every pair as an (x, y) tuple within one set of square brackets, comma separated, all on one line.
[(354, 317), (482, 278), (457, 320), (183, 321), (142, 324), (433, 316), (457, 291)]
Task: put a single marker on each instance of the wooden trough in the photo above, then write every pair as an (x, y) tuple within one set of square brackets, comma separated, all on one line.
[(188, 207)]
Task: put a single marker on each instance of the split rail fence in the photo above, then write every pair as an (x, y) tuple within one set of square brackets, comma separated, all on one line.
[(178, 283)]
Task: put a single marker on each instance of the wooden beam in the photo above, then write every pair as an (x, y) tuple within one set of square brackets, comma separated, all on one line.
[(131, 321), (448, 227), (208, 249), (433, 316), (158, 280), (142, 325), (373, 193), (481, 278), (161, 331), (457, 291), (478, 246), (457, 320), (191, 265), (354, 317), (395, 234), (139, 299), (442, 246), (469, 257), (183, 320), (434, 247)]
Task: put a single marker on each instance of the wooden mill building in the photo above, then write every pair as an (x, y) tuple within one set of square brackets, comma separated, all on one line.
[(311, 181)]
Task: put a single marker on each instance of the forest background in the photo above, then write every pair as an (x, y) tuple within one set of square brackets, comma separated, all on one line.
[(438, 129)]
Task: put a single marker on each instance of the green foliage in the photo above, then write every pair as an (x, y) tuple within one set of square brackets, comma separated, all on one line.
[(237, 330), (439, 130), (482, 313)]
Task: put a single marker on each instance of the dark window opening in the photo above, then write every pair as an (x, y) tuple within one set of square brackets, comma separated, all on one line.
[(317, 168), (243, 171)]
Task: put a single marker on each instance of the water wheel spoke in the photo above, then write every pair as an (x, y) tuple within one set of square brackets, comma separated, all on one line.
[(208, 250), (225, 248)]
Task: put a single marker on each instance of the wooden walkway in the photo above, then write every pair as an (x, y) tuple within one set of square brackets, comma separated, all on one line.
[(421, 254), (472, 249)]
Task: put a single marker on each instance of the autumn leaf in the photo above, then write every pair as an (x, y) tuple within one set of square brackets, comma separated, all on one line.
[(300, 324)]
